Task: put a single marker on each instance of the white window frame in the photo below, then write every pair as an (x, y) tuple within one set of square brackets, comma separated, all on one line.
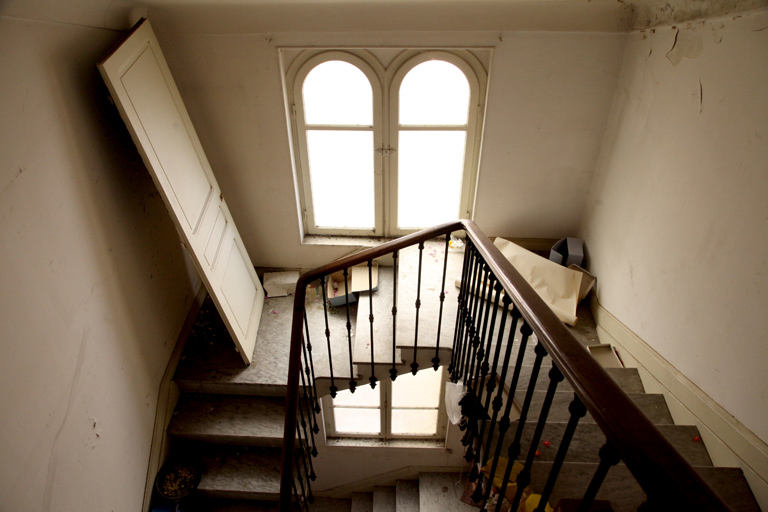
[(369, 68), (385, 85), (385, 415)]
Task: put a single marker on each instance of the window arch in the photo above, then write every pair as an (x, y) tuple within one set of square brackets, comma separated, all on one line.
[(336, 104), (406, 162), (434, 96)]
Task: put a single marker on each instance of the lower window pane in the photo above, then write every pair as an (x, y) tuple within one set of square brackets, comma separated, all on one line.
[(422, 422), (357, 421), (430, 167), (420, 390), (341, 176), (363, 396)]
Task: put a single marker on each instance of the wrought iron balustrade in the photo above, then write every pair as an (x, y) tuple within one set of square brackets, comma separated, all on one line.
[(498, 314)]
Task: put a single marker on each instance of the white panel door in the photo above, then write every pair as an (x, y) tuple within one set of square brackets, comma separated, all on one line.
[(149, 102)]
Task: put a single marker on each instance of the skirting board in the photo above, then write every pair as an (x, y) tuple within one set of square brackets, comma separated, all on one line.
[(167, 397), (730, 443)]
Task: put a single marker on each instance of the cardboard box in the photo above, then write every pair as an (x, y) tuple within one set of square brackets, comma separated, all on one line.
[(357, 279), (606, 356), (568, 251), (280, 284), (587, 281)]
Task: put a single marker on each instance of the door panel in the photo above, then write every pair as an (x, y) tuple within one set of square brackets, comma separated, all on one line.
[(149, 102)]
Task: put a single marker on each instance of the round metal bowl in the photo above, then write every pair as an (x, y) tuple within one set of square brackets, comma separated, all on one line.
[(178, 479)]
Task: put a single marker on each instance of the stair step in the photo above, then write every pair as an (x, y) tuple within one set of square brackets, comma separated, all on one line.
[(628, 379), (208, 504), (588, 439), (441, 492), (362, 502), (331, 505), (625, 495), (240, 473), (429, 295), (224, 419), (654, 406), (384, 499), (382, 299), (407, 496), (211, 364)]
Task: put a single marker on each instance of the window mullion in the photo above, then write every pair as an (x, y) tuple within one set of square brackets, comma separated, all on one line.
[(385, 161)]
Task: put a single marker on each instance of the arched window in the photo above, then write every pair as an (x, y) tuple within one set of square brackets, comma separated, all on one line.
[(337, 119), (385, 161), (431, 140)]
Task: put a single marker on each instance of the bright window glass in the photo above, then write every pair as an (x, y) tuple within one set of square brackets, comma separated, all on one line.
[(430, 168), (415, 402), (431, 162), (434, 93), (412, 402), (358, 412), (341, 176), (337, 93)]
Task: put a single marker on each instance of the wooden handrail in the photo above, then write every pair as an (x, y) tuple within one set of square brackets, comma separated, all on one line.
[(657, 466)]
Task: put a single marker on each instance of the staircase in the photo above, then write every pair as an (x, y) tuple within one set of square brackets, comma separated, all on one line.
[(232, 417)]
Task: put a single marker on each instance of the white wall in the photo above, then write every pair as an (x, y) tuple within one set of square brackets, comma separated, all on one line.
[(548, 104), (93, 284), (678, 219)]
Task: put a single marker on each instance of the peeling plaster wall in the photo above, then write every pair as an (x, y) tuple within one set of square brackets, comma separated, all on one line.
[(655, 13), (548, 104), (94, 287), (678, 212)]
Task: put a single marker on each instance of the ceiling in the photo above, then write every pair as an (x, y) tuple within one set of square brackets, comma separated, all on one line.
[(259, 16)]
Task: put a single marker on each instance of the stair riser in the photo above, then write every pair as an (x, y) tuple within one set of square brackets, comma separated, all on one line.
[(363, 372)]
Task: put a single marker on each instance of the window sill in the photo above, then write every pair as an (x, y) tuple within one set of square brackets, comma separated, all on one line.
[(344, 241), (429, 444)]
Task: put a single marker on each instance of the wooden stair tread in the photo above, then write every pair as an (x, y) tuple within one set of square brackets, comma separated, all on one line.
[(223, 419), (241, 473)]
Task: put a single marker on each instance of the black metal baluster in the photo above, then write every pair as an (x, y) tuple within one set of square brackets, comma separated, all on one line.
[(393, 371), (302, 404), (436, 359), (311, 386), (481, 324), (333, 387), (298, 500), (414, 364), (491, 386), (578, 411), (352, 381), (524, 478), (481, 370), (514, 449), (310, 496), (372, 379), (609, 456), (471, 328), (461, 299), (311, 364), (504, 423), (468, 303), (297, 465)]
